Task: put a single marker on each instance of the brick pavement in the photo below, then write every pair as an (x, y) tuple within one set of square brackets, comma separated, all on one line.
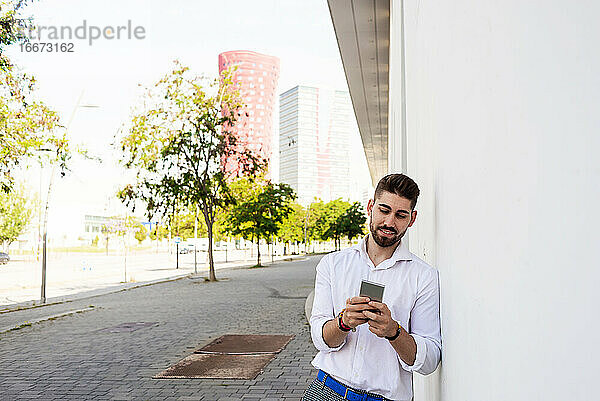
[(70, 359)]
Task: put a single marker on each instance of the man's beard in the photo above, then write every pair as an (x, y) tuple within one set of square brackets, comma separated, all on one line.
[(384, 242)]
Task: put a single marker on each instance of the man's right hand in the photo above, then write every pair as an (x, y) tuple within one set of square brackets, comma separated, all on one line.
[(353, 315)]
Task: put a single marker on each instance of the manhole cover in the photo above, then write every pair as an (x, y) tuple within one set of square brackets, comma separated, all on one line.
[(235, 344), (127, 327), (213, 366)]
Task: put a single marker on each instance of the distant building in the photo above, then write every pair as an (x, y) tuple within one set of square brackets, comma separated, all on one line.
[(257, 75), (316, 127), (93, 225)]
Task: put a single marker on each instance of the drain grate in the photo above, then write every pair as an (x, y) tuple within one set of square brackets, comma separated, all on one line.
[(235, 344), (127, 327), (212, 366), (230, 356)]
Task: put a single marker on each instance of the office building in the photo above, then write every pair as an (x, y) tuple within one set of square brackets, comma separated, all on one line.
[(256, 76), (316, 127)]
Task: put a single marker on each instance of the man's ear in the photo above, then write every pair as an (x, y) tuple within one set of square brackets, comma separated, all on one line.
[(370, 206), (413, 217)]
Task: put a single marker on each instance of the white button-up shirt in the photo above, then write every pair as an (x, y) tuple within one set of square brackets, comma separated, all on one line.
[(365, 361)]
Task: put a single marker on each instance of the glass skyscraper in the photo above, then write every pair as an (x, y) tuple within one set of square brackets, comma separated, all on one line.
[(315, 130)]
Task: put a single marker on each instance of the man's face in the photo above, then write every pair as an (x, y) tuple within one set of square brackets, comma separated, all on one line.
[(391, 215)]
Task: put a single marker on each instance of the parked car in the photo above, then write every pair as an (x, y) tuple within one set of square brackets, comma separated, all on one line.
[(4, 258)]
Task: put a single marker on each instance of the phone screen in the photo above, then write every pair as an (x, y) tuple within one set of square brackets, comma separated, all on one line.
[(371, 290)]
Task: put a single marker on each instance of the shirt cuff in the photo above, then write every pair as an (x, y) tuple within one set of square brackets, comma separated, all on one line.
[(419, 358), (317, 334)]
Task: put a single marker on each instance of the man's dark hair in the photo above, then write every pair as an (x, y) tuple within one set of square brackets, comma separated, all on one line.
[(400, 185)]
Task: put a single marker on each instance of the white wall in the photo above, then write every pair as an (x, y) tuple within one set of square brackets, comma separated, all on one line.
[(503, 131)]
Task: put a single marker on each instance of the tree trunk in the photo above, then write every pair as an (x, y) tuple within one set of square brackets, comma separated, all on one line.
[(169, 239), (211, 262), (258, 251)]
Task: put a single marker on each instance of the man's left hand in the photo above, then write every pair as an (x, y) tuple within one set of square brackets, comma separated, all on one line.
[(381, 324)]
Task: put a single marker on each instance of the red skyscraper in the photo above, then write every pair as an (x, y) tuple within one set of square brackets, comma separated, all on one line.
[(256, 76)]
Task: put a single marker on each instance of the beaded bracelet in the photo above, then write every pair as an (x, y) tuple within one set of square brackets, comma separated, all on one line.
[(341, 324)]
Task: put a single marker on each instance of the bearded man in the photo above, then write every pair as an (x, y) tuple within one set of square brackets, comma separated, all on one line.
[(368, 350)]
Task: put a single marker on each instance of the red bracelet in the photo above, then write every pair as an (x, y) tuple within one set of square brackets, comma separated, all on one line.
[(341, 324)]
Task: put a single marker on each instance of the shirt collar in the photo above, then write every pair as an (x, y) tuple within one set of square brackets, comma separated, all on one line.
[(401, 252)]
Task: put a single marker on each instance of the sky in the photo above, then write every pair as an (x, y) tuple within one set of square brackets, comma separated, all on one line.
[(107, 75)]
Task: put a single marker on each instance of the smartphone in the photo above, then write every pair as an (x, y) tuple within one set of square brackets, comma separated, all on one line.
[(372, 290)]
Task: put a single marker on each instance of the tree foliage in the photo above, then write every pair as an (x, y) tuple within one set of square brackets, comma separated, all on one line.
[(161, 230), (291, 229), (141, 233), (16, 209), (11, 26), (352, 222), (338, 219), (260, 208), (26, 124), (179, 143)]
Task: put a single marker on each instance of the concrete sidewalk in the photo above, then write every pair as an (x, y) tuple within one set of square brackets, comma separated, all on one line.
[(70, 358)]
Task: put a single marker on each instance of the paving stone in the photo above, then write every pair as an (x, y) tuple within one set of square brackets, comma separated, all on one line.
[(73, 359)]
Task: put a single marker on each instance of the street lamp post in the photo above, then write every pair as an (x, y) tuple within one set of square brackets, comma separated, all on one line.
[(43, 294), (43, 297), (43, 289)]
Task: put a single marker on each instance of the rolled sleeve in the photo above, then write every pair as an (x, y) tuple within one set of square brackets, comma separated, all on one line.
[(316, 331), (323, 308), (425, 327)]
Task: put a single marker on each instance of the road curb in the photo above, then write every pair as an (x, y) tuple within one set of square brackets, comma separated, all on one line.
[(86, 294), (28, 323)]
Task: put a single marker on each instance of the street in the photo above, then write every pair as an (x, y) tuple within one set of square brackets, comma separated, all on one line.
[(76, 272), (71, 358)]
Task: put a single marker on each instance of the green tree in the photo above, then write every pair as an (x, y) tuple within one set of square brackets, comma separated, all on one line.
[(337, 219), (314, 212), (220, 226), (141, 233), (185, 223), (180, 143), (259, 210), (328, 226), (163, 232), (16, 209), (291, 229), (26, 124), (352, 222)]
